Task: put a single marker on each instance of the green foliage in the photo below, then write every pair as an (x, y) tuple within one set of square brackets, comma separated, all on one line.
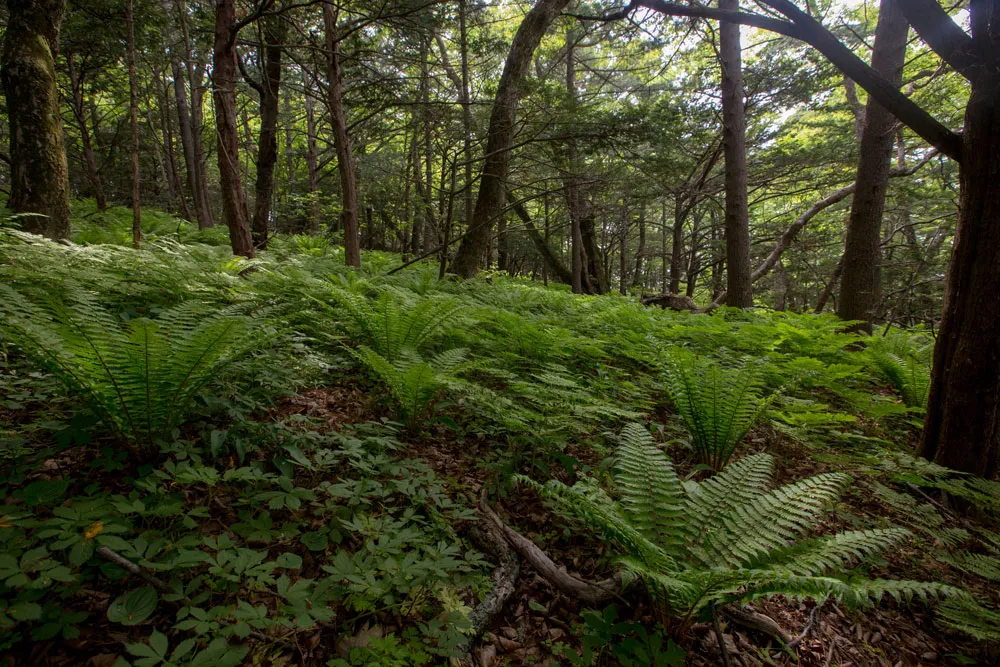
[(414, 383), (968, 616), (904, 360), (139, 378), (728, 538), (606, 640), (718, 402)]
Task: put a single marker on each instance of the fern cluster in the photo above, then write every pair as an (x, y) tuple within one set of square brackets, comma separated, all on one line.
[(730, 537), (904, 360), (140, 377), (719, 404)]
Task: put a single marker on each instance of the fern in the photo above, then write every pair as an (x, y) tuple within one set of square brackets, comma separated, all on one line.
[(139, 378), (718, 405), (966, 615), (413, 382), (905, 362), (390, 328), (729, 538)]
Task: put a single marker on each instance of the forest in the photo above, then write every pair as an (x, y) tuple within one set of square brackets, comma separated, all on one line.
[(474, 333)]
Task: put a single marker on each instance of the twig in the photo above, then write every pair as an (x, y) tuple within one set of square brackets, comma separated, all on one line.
[(718, 637), (944, 508), (794, 644), (119, 560), (124, 563)]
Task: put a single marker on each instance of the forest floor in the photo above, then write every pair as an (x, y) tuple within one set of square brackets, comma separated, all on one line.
[(540, 624), (317, 498)]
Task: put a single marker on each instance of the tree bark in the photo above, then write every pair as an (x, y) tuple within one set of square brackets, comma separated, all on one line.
[(133, 120), (196, 73), (640, 251), (312, 168), (187, 135), (962, 423), (859, 287), (341, 141), (234, 201), (738, 283), (267, 144), (39, 173), (500, 136)]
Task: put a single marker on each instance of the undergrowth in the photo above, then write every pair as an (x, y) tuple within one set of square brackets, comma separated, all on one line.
[(143, 410)]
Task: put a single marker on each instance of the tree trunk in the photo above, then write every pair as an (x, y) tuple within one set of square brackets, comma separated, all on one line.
[(187, 135), (739, 286), (859, 287), (962, 424), (196, 74), (640, 251), (267, 144), (39, 173), (830, 286), (80, 113), (312, 168), (677, 246), (234, 201), (500, 136), (341, 141), (133, 121)]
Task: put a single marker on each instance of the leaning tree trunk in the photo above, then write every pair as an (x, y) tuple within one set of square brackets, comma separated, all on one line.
[(962, 424), (859, 287), (39, 173), (234, 202), (738, 283), (267, 145), (500, 136), (342, 142)]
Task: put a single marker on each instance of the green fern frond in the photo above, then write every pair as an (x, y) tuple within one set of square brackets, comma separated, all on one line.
[(728, 538), (652, 496), (966, 615), (139, 378), (718, 405)]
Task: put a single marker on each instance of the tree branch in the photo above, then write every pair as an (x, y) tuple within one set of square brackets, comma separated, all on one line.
[(804, 28), (943, 35)]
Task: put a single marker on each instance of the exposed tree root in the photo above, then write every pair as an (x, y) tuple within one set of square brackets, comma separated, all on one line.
[(490, 540), (595, 594)]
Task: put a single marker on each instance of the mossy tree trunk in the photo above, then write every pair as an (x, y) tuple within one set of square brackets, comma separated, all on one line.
[(39, 173)]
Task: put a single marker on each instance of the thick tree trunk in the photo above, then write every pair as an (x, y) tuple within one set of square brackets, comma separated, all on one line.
[(39, 173), (859, 287), (739, 286), (267, 144), (234, 203), (133, 121), (962, 424), (341, 141), (500, 136)]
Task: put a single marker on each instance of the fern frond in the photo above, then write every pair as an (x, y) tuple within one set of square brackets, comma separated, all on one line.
[(966, 615), (718, 405), (652, 496), (774, 520), (832, 552)]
